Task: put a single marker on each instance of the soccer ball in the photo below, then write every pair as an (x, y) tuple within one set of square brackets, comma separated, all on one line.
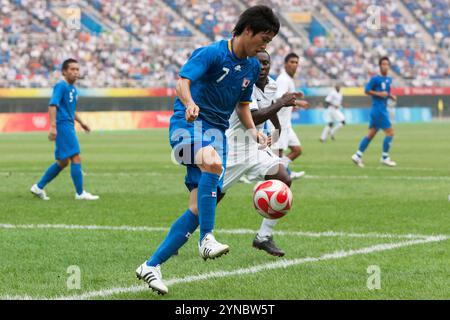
[(272, 199)]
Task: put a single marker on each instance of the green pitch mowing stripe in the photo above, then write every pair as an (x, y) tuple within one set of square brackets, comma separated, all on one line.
[(140, 187)]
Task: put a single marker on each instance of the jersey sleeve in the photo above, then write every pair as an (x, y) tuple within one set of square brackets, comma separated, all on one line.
[(370, 85), (282, 87), (201, 60), (57, 95), (246, 97), (254, 104)]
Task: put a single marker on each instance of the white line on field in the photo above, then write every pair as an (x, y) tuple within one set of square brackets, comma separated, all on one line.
[(254, 269), (157, 174), (223, 231), (336, 177)]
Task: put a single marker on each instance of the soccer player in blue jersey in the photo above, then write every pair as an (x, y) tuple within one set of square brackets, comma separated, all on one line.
[(215, 81), (379, 87), (62, 116)]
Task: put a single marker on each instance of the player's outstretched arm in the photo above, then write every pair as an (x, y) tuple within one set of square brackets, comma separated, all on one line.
[(183, 89), (52, 117), (82, 124), (261, 115), (245, 116), (381, 94)]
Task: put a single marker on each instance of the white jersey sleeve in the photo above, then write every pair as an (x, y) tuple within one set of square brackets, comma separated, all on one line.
[(255, 99), (285, 84)]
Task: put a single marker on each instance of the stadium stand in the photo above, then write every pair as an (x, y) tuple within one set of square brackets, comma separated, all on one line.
[(144, 43)]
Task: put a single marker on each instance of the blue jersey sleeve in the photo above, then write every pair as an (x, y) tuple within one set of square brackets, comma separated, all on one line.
[(199, 63), (57, 95), (370, 85), (246, 96)]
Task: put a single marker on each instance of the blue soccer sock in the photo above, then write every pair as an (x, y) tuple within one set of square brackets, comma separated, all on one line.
[(49, 175), (386, 146), (206, 202), (363, 146), (178, 235), (77, 177), (288, 170)]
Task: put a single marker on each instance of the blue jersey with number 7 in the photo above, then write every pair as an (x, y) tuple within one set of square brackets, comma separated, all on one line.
[(219, 81)]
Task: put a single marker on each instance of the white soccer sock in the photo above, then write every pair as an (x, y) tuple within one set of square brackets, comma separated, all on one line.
[(325, 133), (266, 229), (285, 161), (336, 128)]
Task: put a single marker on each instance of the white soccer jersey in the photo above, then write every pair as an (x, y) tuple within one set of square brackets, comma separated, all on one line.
[(260, 100), (244, 157), (285, 83), (334, 98)]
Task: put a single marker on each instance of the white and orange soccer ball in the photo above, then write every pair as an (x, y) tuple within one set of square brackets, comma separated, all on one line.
[(272, 199)]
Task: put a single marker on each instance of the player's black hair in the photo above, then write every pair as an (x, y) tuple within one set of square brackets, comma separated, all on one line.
[(258, 18), (383, 59), (265, 51), (67, 62), (290, 56)]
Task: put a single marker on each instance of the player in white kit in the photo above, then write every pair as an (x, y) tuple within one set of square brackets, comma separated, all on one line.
[(246, 157), (288, 137), (333, 114)]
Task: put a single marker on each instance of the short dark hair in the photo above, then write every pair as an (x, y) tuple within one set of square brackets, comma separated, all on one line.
[(258, 18), (265, 51), (290, 56), (383, 59), (67, 62)]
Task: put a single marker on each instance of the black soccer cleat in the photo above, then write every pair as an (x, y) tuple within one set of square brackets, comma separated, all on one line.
[(268, 245)]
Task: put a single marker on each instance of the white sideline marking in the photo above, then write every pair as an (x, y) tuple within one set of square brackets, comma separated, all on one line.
[(153, 174), (335, 177), (223, 231), (251, 270)]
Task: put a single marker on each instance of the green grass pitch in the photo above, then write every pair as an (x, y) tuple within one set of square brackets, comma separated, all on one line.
[(369, 210)]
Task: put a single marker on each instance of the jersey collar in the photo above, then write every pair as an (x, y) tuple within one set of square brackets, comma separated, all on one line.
[(230, 49)]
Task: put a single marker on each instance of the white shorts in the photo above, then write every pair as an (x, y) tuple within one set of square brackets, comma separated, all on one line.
[(333, 114), (255, 166), (288, 138)]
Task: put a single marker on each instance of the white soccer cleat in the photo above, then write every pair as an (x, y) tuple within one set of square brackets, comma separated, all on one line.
[(358, 161), (38, 192), (153, 277), (85, 196), (209, 248), (244, 179), (297, 175), (388, 162)]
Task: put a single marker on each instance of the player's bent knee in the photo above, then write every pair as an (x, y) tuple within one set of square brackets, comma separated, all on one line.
[(193, 209), (344, 123), (62, 163), (298, 151), (76, 158), (212, 168)]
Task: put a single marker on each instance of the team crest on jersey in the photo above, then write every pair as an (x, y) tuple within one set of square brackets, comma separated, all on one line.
[(245, 83), (238, 67)]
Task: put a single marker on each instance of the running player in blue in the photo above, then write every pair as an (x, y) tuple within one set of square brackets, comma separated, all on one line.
[(62, 116), (215, 81), (379, 87)]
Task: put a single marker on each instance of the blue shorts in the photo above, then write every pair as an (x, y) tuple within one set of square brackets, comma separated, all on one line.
[(186, 138), (66, 143), (379, 120)]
